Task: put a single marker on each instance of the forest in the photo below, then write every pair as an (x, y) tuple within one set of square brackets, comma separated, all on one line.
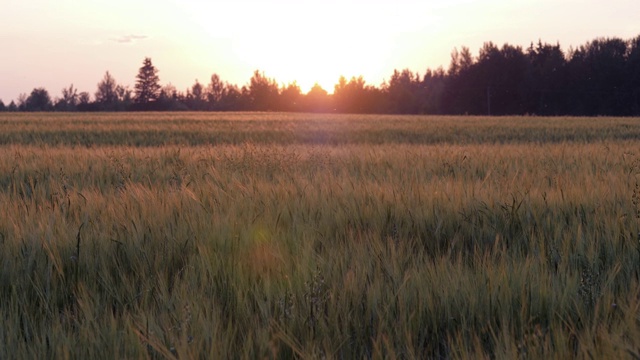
[(601, 77)]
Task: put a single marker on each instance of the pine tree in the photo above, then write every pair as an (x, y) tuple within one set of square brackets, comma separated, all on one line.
[(147, 88)]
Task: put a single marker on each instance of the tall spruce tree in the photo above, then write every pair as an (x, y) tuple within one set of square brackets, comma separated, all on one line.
[(147, 88)]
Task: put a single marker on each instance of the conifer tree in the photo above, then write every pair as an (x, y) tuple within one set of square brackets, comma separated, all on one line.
[(147, 88)]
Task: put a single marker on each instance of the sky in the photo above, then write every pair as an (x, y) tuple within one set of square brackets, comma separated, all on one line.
[(52, 44)]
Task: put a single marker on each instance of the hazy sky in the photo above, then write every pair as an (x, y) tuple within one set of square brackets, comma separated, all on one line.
[(54, 43)]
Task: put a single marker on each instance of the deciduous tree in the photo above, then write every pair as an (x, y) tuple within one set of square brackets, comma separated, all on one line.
[(38, 100), (215, 92), (196, 99), (106, 95), (318, 100), (69, 99), (263, 92), (291, 97)]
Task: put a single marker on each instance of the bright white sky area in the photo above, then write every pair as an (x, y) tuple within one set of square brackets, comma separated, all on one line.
[(52, 44)]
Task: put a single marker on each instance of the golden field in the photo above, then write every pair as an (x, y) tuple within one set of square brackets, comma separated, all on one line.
[(274, 235)]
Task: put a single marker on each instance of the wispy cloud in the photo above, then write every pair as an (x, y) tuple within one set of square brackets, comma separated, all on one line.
[(128, 39)]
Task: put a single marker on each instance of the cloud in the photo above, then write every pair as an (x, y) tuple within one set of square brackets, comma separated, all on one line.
[(128, 39)]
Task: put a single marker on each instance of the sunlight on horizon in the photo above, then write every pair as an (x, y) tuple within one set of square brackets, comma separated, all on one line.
[(313, 43), (321, 58)]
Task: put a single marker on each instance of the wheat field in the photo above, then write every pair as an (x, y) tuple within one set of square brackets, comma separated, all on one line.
[(273, 235)]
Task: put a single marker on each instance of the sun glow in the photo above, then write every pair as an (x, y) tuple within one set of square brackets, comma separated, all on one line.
[(307, 43), (313, 57)]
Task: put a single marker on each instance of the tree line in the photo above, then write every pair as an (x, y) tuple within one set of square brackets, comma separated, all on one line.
[(601, 77)]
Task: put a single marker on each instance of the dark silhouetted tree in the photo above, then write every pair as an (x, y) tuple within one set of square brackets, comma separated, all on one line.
[(84, 98), (245, 101), (291, 98), (484, 82), (511, 90), (215, 92), (454, 64), (433, 85), (125, 98), (38, 100), (84, 102), (22, 102), (196, 97), (465, 59), (263, 92), (12, 106), (2, 106), (235, 98), (68, 101), (405, 93), (496, 83), (597, 76), (147, 87), (547, 79), (460, 89), (106, 96), (632, 71)]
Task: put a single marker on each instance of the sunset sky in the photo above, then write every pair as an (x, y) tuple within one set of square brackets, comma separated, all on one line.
[(52, 44)]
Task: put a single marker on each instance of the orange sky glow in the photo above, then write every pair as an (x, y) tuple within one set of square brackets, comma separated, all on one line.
[(53, 44)]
